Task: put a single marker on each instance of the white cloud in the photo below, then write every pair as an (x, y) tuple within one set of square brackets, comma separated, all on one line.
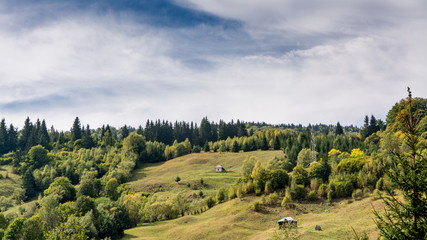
[(123, 72)]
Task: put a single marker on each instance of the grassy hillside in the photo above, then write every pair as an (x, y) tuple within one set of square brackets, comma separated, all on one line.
[(160, 177), (235, 219), (9, 184)]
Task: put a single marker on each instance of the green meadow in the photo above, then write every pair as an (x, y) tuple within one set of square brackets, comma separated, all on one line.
[(235, 219)]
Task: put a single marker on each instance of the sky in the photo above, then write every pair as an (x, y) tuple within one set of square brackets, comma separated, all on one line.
[(275, 61)]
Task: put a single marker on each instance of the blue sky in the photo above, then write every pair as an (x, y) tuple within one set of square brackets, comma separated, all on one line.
[(278, 61)]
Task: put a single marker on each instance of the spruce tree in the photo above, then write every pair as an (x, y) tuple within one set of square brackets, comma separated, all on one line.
[(339, 130), (44, 136), (25, 134), (76, 131), (407, 218), (12, 138), (3, 137)]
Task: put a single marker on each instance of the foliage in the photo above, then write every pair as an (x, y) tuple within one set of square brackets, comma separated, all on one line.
[(14, 230), (256, 206), (71, 229), (248, 165), (111, 189), (220, 195), (300, 175), (63, 188), (407, 219), (285, 234), (304, 157), (312, 196), (298, 192)]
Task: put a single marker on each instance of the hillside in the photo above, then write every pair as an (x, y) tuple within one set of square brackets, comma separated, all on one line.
[(235, 219), (159, 177)]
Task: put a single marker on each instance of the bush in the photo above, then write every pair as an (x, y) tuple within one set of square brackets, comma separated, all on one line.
[(231, 193), (380, 184), (286, 202), (376, 194), (5, 203), (210, 202), (330, 197), (268, 187), (312, 196), (273, 198), (357, 195), (298, 193), (220, 195), (177, 179), (343, 189), (256, 206), (323, 190)]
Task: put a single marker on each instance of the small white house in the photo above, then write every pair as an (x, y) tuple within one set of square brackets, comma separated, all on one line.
[(219, 168), (287, 222)]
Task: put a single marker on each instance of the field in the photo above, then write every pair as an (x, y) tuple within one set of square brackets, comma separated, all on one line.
[(9, 184), (235, 219)]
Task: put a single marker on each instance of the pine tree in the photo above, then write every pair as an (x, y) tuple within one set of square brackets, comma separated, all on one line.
[(3, 137), (125, 132), (25, 134), (44, 136), (12, 138), (76, 131), (407, 219), (339, 130)]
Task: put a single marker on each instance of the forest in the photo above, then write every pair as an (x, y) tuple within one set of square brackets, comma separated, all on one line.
[(76, 180)]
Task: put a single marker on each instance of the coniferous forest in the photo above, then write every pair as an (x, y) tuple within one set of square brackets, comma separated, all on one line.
[(73, 184)]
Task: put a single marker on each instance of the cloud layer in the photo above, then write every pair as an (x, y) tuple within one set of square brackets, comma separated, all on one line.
[(278, 62)]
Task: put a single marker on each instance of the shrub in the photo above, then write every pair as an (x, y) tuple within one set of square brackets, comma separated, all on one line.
[(231, 193), (312, 196), (5, 203), (273, 198), (376, 194), (323, 190), (177, 179), (220, 195), (357, 195), (380, 184), (239, 193), (249, 188), (256, 206), (343, 189), (286, 202), (210, 202), (298, 193), (366, 191), (330, 197), (268, 187)]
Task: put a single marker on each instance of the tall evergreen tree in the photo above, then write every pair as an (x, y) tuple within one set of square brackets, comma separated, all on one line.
[(44, 136), (3, 137), (339, 130), (25, 134), (12, 138), (124, 132), (407, 219), (76, 131)]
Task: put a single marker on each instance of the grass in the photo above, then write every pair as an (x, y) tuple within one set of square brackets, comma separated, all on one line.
[(9, 184), (159, 178), (235, 219)]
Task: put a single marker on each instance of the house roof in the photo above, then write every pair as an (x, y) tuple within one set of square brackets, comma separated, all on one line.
[(219, 166), (286, 219)]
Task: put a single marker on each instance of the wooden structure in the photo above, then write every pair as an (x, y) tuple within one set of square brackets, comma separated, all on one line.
[(219, 168), (287, 222)]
